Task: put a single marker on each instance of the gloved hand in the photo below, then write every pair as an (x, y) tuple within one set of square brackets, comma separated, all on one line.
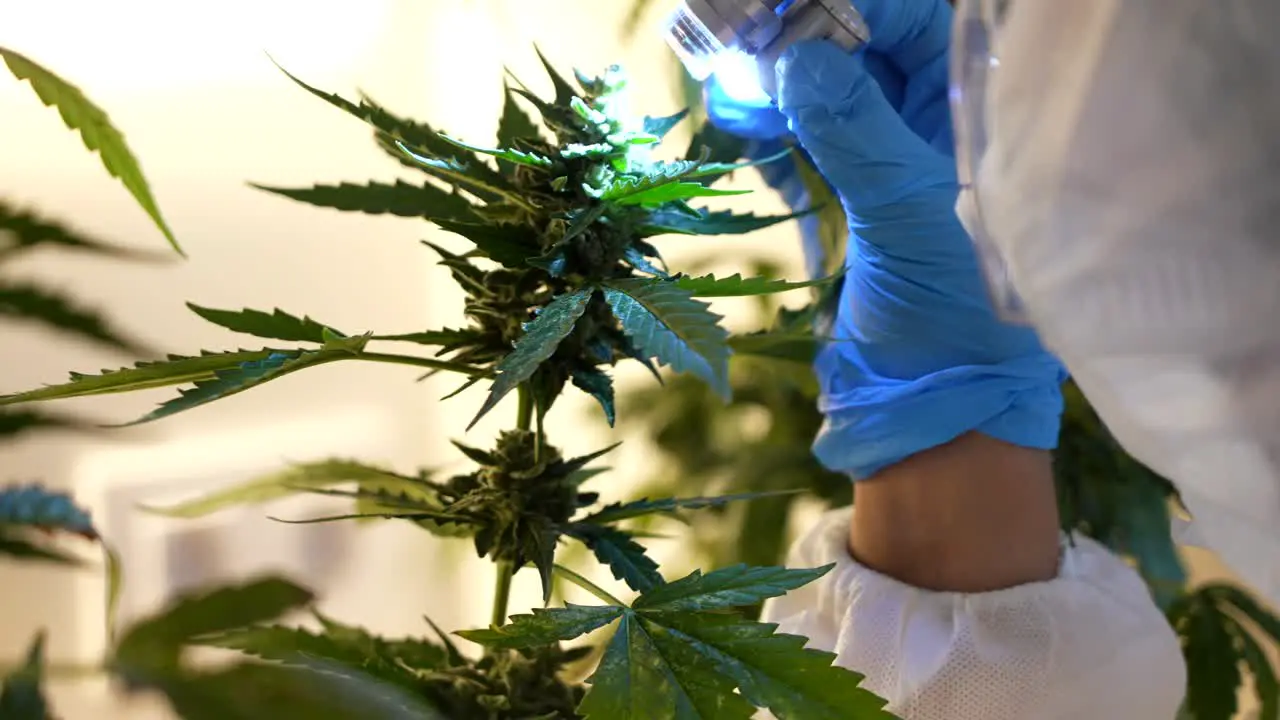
[(919, 357)]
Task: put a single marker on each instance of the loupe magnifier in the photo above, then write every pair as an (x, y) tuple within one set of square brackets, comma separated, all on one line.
[(740, 41)]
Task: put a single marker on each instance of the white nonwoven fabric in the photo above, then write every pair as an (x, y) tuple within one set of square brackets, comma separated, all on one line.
[(1088, 645), (1132, 186)]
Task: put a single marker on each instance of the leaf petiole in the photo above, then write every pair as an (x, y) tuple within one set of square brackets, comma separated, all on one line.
[(587, 585)]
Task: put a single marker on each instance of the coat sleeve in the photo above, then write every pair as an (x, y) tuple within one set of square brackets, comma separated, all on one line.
[(1088, 645)]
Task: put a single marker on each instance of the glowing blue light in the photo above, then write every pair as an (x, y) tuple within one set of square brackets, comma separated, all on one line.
[(738, 75)]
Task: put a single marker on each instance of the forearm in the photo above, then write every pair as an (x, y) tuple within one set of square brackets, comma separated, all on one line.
[(974, 515)]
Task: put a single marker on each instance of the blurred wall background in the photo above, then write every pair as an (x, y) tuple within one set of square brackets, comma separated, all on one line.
[(205, 111)]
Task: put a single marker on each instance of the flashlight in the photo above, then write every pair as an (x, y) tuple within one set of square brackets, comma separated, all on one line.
[(740, 41)]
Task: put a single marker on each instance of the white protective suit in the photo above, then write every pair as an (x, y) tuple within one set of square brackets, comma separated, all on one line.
[(1126, 179)]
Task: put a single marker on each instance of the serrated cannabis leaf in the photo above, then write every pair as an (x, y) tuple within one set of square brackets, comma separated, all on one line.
[(299, 478), (516, 157), (543, 627), (599, 386), (668, 506), (401, 199), (22, 230), (730, 587), (96, 131), (515, 124), (176, 370), (542, 336), (350, 646), (625, 558), (683, 664), (31, 303), (737, 286), (707, 222), (669, 325), (660, 126), (22, 697), (1265, 684), (777, 346), (508, 245), (276, 325), (155, 642), (1213, 672), (773, 670), (36, 507), (710, 144)]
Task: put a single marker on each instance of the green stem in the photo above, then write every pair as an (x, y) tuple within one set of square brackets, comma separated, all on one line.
[(587, 585), (524, 416), (502, 593), (421, 362)]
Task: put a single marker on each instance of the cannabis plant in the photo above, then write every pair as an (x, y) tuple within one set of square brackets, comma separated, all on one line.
[(564, 280)]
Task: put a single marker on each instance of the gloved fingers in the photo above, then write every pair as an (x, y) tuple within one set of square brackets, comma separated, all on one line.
[(915, 35), (746, 120), (857, 139), (911, 33)]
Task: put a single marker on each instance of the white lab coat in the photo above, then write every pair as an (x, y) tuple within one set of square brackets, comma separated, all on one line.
[(1088, 645)]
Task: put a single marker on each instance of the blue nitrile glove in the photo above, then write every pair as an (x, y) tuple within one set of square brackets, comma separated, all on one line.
[(919, 356)]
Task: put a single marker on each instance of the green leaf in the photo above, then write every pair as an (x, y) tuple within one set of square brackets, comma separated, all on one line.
[(18, 422), (22, 697), (599, 386), (36, 507), (30, 303), (667, 506), (564, 91), (176, 370), (254, 691), (724, 222), (509, 245), (669, 325), (660, 126), (350, 646), (636, 680), (516, 157), (772, 670), (673, 192), (1246, 604), (515, 123), (710, 144), (736, 286), (716, 169), (542, 337), (478, 179), (21, 231), (1213, 671), (735, 586), (246, 376), (625, 557), (401, 199), (295, 480), (277, 325), (156, 642), (544, 627), (777, 346), (95, 128), (447, 338), (1265, 684)]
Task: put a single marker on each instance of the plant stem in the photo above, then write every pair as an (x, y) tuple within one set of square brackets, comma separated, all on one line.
[(502, 593), (524, 417), (587, 585)]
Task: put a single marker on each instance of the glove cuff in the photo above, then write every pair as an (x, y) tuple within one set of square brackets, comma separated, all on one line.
[(881, 423)]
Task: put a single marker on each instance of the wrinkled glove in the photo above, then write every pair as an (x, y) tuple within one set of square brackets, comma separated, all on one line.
[(918, 356)]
